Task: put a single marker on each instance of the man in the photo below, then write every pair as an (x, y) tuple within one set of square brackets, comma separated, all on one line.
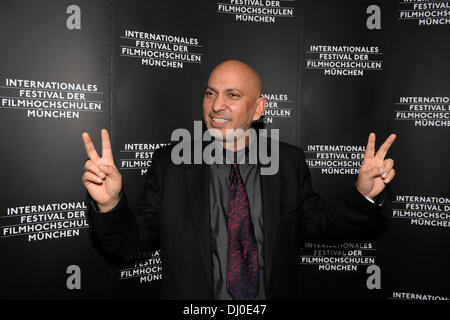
[(228, 231)]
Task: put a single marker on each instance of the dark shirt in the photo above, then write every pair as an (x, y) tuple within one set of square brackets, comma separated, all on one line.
[(219, 183)]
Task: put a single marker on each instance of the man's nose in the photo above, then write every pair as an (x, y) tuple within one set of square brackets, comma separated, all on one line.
[(219, 103)]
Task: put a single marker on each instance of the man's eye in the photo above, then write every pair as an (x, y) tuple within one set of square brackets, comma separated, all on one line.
[(234, 95), (209, 93)]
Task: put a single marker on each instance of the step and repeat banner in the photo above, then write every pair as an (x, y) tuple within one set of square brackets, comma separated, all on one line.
[(379, 66), (54, 84), (332, 71)]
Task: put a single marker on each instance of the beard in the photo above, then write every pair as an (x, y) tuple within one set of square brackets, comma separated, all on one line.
[(228, 134), (232, 138)]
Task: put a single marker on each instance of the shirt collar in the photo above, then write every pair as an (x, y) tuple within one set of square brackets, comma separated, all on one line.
[(242, 155)]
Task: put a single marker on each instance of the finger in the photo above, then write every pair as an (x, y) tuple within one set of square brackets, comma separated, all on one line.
[(91, 166), (110, 171), (89, 176), (388, 164), (390, 176), (370, 148), (106, 145), (89, 146), (372, 173), (381, 153)]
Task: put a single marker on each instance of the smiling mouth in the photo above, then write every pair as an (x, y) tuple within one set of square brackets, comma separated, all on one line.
[(220, 120)]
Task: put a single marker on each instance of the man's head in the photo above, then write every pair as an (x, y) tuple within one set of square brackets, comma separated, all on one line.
[(232, 97)]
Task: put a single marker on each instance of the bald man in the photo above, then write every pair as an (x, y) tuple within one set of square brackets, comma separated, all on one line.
[(225, 230), (232, 99)]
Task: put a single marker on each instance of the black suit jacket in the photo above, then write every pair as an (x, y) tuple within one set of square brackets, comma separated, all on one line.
[(172, 213)]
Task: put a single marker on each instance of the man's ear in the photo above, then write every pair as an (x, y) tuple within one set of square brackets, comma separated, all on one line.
[(260, 107)]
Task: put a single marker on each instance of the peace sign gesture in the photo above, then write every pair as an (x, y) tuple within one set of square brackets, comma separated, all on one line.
[(101, 179), (375, 171)]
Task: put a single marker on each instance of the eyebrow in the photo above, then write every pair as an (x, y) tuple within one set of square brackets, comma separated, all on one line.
[(226, 90), (210, 88), (234, 89)]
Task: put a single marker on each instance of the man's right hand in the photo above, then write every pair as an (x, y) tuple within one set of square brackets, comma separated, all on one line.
[(101, 179)]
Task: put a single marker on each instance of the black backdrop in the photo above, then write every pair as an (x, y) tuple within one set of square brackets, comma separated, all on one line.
[(330, 78)]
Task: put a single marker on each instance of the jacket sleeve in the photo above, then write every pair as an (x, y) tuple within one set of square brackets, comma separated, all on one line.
[(126, 230), (351, 217)]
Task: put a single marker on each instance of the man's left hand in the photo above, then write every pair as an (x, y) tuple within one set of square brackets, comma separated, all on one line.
[(375, 171)]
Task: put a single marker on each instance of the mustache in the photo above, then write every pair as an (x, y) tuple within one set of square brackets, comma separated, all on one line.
[(219, 115)]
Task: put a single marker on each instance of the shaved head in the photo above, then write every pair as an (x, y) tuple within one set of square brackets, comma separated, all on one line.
[(233, 97), (242, 70)]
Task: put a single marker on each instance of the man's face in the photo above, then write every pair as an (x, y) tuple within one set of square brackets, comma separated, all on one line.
[(231, 99)]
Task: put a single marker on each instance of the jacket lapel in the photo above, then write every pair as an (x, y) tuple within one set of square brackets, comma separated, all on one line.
[(270, 188), (197, 180)]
